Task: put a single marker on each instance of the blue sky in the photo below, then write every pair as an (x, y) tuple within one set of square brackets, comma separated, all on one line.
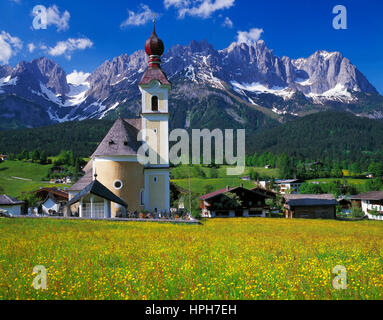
[(82, 34)]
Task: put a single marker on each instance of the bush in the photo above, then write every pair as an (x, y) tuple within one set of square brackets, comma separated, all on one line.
[(310, 188), (357, 212), (374, 212)]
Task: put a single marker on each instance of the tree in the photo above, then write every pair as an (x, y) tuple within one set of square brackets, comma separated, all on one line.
[(212, 173), (35, 155), (76, 170), (356, 168), (43, 157), (357, 212), (30, 199), (229, 201), (376, 168), (24, 155), (254, 175), (373, 185), (310, 188), (208, 188)]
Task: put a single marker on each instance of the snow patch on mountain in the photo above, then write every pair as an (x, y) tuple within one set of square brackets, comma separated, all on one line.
[(77, 94), (259, 88), (8, 81), (338, 93)]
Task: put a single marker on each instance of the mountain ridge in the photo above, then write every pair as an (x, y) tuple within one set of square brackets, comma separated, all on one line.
[(242, 76)]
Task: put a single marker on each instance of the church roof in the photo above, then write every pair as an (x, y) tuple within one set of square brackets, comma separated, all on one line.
[(154, 74), (83, 182), (121, 139), (7, 200), (98, 189)]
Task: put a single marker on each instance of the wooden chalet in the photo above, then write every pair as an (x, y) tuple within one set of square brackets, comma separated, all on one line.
[(246, 203), (311, 206), (371, 204)]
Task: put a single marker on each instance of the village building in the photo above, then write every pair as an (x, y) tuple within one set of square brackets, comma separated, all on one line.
[(264, 184), (52, 201), (289, 186), (246, 203), (115, 161), (371, 204), (311, 206), (95, 202), (9, 205), (345, 204), (268, 193)]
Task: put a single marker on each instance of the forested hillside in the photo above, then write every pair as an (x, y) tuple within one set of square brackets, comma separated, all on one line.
[(327, 135), (82, 137), (332, 135)]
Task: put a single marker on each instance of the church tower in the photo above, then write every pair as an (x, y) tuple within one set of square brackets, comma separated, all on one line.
[(155, 88)]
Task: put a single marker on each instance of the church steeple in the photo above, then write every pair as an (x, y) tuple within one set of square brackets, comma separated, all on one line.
[(154, 48)]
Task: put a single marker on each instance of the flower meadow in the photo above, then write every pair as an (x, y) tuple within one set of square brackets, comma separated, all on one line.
[(220, 259)]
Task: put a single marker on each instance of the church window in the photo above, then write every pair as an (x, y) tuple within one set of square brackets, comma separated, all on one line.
[(154, 103), (155, 179), (118, 184), (142, 197)]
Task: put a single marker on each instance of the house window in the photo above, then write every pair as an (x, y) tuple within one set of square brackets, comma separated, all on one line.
[(154, 103), (118, 184)]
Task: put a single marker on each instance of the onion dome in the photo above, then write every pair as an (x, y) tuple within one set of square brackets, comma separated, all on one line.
[(154, 48)]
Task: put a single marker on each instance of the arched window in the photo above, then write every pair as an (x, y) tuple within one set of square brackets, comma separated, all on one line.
[(154, 103), (142, 197)]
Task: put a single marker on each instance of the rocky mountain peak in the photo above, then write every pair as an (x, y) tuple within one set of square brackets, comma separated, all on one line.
[(254, 73), (44, 71)]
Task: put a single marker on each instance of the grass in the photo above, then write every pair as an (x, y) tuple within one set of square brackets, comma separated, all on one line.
[(222, 259), (33, 172), (350, 181), (197, 185)]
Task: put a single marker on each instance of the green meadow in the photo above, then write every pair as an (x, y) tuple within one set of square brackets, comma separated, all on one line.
[(17, 177), (239, 258)]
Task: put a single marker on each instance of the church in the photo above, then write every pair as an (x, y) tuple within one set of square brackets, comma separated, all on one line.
[(115, 180)]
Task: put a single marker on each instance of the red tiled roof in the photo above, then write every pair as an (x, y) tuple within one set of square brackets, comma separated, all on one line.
[(54, 191), (373, 195), (154, 74), (216, 193)]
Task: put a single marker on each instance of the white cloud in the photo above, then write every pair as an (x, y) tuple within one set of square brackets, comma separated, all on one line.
[(250, 36), (198, 8), (54, 18), (227, 23), (67, 47), (176, 3), (77, 77), (143, 15), (9, 46), (31, 47)]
